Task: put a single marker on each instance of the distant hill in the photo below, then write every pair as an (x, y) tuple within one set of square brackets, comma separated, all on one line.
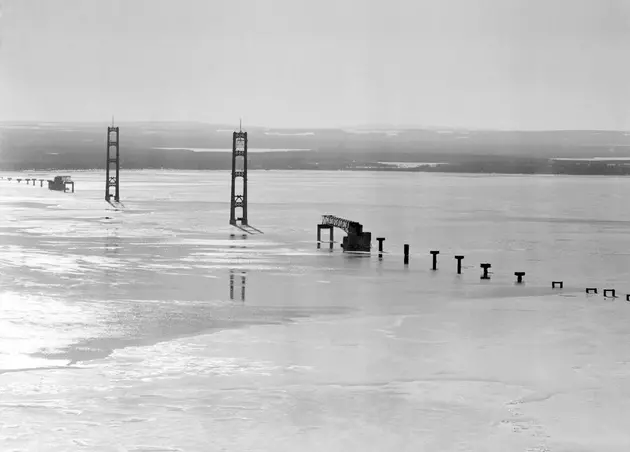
[(203, 146)]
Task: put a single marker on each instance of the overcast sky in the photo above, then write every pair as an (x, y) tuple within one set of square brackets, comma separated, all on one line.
[(507, 64)]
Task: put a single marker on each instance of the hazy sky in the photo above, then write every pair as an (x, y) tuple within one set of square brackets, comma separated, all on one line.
[(510, 64)]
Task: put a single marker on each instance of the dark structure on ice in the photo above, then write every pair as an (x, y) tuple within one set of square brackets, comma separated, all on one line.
[(60, 183), (356, 240)]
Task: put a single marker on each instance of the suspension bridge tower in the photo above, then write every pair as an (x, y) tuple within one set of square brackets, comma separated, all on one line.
[(112, 168), (238, 198)]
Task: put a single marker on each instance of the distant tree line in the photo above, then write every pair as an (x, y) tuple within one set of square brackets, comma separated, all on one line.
[(82, 147)]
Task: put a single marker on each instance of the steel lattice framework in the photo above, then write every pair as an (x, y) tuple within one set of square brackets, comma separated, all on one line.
[(239, 201), (337, 222)]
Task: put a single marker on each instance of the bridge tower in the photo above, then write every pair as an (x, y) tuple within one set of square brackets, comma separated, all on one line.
[(238, 198), (113, 157)]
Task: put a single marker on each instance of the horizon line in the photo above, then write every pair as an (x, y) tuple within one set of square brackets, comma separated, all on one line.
[(374, 127)]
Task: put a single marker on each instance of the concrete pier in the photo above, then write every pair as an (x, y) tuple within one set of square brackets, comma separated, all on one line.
[(459, 264), (519, 277), (380, 247), (434, 254), (406, 252), (591, 290), (610, 293), (485, 271), (558, 284)]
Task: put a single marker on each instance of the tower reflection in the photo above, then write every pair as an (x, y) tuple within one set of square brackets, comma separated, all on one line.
[(111, 250), (241, 277)]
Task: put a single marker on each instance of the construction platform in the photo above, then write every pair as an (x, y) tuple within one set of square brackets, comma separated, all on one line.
[(61, 183), (356, 240)]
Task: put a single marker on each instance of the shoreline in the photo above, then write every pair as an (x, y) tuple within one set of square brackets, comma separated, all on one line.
[(611, 173)]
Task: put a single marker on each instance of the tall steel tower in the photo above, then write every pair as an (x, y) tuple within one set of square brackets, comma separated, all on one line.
[(239, 149), (113, 144)]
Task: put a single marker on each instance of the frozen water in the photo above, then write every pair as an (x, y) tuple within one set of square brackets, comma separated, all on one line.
[(157, 327)]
